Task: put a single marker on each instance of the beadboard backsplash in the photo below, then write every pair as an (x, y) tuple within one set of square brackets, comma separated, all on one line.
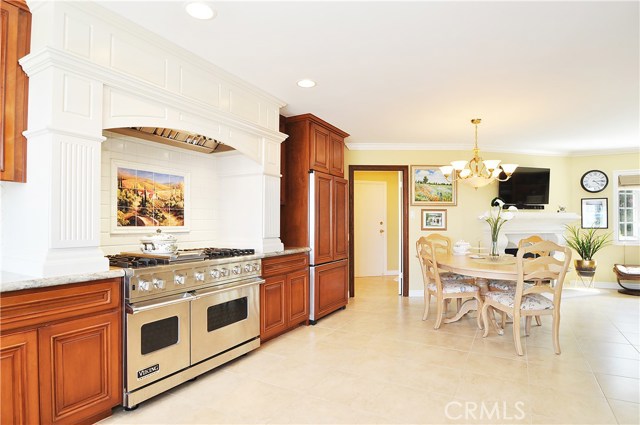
[(201, 169)]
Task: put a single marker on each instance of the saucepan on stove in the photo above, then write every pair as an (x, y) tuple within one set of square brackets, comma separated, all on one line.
[(159, 243)]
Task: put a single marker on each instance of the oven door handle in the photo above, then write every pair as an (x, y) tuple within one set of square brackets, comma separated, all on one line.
[(221, 288), (135, 309)]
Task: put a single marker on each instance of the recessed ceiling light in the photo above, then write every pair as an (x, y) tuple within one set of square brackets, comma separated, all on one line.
[(200, 10), (306, 83)]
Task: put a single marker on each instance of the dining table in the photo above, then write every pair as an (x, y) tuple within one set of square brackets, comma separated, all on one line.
[(482, 268)]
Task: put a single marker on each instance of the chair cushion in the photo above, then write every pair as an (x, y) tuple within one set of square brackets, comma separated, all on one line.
[(529, 301), (454, 287), (502, 285), (453, 276), (505, 285)]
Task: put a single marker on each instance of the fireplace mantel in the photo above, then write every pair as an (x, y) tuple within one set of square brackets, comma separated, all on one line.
[(548, 225)]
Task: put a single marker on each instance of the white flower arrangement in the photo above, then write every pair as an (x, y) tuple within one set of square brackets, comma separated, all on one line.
[(496, 218)]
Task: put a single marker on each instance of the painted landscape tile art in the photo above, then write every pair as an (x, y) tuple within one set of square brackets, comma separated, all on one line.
[(147, 198)]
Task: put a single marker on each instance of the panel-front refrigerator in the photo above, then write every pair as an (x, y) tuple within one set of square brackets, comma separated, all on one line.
[(329, 242)]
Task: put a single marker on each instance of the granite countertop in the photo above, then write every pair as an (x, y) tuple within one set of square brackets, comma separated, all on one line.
[(287, 251), (16, 282)]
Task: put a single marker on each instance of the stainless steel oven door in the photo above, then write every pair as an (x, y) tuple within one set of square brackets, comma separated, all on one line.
[(157, 341), (223, 317)]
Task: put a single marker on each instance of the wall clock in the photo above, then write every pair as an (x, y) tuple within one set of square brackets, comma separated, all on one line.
[(594, 181)]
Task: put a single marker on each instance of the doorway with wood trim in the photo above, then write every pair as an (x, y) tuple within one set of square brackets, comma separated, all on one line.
[(384, 228)]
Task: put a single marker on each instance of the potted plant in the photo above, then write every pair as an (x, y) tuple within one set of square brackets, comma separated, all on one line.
[(586, 243)]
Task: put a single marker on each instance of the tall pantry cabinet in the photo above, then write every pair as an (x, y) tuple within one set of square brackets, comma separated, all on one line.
[(315, 212)]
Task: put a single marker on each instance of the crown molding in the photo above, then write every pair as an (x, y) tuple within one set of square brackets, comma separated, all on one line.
[(440, 147)]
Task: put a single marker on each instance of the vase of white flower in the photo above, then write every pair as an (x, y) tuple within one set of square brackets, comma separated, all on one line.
[(496, 218)]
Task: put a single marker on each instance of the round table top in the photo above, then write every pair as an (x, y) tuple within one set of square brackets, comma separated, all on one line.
[(504, 269)]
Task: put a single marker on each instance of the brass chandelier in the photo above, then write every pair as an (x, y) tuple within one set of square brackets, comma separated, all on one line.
[(477, 172)]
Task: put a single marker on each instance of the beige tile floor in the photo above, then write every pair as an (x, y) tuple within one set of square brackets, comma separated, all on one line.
[(378, 362)]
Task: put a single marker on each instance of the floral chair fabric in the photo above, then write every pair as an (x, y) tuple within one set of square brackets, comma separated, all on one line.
[(454, 287), (529, 302)]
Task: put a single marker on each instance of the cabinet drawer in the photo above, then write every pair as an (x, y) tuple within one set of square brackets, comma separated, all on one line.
[(285, 264), (32, 307)]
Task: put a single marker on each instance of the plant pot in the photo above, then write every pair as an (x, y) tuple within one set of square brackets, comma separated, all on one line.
[(585, 266)]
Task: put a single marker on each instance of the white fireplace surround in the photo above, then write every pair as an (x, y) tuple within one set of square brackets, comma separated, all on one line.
[(91, 70), (548, 225)]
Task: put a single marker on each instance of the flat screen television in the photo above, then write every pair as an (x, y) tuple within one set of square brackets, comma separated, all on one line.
[(527, 187)]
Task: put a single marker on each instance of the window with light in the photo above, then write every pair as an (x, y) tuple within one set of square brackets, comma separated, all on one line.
[(627, 196)]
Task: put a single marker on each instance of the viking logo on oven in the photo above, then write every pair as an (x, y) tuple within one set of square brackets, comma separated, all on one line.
[(148, 371)]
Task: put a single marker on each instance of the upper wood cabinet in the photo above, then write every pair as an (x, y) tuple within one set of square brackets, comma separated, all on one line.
[(316, 143), (15, 40)]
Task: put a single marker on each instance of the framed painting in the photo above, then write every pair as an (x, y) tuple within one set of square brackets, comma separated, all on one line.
[(594, 213), (145, 198), (433, 220), (430, 187)]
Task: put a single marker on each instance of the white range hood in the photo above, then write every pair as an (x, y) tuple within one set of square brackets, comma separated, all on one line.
[(91, 70)]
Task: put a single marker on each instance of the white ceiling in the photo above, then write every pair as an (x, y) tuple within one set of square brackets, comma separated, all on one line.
[(545, 77)]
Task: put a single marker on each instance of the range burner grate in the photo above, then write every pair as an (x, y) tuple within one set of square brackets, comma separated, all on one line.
[(131, 260)]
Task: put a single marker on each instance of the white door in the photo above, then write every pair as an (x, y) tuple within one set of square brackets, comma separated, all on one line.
[(370, 232)]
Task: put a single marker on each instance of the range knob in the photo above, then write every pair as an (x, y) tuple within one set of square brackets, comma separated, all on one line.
[(158, 283), (247, 268), (179, 279), (256, 267), (199, 276), (237, 270), (143, 285), (225, 272), (215, 273)]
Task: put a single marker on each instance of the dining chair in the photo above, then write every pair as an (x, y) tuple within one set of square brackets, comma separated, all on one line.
[(443, 245), (528, 301), (439, 285), (510, 285)]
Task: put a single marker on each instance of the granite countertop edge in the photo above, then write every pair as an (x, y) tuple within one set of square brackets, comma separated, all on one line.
[(14, 282), (287, 251)]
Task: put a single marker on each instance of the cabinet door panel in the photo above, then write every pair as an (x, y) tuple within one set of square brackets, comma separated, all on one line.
[(337, 156), (324, 233), (330, 287), (340, 218), (319, 148), (80, 368), (19, 378), (14, 87), (298, 297), (272, 305)]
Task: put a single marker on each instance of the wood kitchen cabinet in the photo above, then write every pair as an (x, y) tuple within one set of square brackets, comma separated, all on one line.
[(317, 143), (15, 41), (315, 213), (19, 377), (284, 297), (63, 349), (331, 293), (331, 203)]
